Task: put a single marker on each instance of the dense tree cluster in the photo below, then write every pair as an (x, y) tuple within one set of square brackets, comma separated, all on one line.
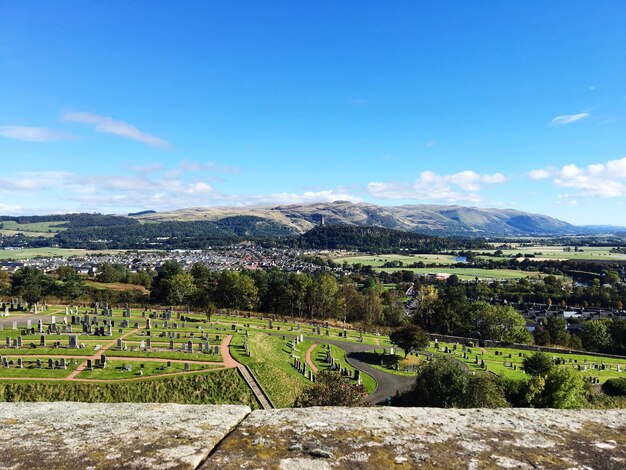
[(442, 382)]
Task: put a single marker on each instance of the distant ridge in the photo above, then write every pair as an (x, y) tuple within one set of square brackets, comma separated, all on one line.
[(453, 220), (135, 214)]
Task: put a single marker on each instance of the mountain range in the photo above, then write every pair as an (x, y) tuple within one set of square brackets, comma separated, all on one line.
[(433, 219)]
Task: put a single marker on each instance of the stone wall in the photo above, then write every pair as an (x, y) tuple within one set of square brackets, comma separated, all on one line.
[(161, 436)]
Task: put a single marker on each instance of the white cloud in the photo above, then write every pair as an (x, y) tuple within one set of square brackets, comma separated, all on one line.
[(33, 134), (328, 195), (597, 179), (429, 186), (564, 119), (541, 174), (120, 128)]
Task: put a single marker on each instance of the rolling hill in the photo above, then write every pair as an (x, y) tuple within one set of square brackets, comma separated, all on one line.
[(431, 219)]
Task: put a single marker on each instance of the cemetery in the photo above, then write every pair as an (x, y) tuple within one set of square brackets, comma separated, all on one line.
[(271, 358)]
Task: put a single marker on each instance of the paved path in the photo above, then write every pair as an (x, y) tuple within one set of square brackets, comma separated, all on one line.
[(307, 358)]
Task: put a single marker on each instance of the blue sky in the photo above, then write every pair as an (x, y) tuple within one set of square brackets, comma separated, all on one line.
[(118, 106)]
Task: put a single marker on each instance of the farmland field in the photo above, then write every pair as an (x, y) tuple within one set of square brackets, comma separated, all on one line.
[(471, 273), (37, 229), (377, 261), (42, 252), (558, 253)]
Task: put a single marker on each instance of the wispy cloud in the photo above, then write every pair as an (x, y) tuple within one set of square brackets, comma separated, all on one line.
[(564, 119), (207, 166), (597, 179), (120, 128), (33, 134), (429, 186), (540, 174)]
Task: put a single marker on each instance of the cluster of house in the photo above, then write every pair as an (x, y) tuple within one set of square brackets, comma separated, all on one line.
[(235, 257)]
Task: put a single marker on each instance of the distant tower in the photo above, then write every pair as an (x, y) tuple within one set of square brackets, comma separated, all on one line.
[(322, 221)]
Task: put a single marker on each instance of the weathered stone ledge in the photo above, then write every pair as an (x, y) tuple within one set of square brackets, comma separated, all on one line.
[(160, 436)]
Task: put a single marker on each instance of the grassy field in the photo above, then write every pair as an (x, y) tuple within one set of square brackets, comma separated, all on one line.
[(556, 252), (444, 261), (271, 365), (38, 229), (211, 387), (40, 252), (117, 286), (514, 357), (471, 273), (115, 370), (378, 261)]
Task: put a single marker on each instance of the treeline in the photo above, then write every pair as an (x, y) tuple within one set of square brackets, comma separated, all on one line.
[(171, 234), (379, 240), (479, 310), (320, 296)]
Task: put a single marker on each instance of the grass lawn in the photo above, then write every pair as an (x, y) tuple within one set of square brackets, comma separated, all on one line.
[(319, 359), (271, 364), (164, 354), (495, 363), (115, 370), (30, 370)]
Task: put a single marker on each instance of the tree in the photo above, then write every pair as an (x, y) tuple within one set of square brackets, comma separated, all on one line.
[(441, 383), (595, 335), (410, 338), (236, 290), (538, 364), (564, 388), (501, 323), (107, 273), (331, 389), (485, 392), (5, 283), (557, 327), (180, 287)]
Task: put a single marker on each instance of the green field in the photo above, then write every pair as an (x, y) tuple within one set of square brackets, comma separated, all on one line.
[(557, 252), (496, 363), (471, 273), (37, 229), (272, 366), (444, 261), (115, 370), (377, 261), (40, 252)]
